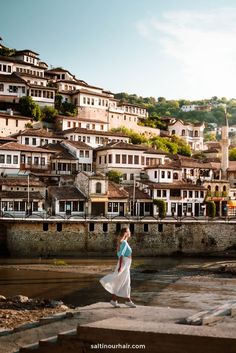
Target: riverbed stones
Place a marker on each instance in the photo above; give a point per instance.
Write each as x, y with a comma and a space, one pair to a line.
19, 299
2, 298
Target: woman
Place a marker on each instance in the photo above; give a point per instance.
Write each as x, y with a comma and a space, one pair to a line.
118, 282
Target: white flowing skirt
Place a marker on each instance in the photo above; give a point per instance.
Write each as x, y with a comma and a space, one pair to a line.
118, 283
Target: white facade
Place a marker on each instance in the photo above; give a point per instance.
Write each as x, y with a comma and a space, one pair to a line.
12, 124
192, 134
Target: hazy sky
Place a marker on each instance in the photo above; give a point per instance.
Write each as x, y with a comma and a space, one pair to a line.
172, 48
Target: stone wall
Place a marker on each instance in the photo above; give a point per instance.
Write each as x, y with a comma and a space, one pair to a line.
35, 238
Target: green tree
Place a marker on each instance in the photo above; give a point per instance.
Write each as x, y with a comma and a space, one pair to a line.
48, 114
161, 207
115, 175
232, 154
211, 208
28, 107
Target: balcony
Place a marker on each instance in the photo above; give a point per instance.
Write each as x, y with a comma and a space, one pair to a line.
35, 167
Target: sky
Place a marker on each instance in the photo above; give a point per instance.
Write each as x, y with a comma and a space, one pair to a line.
178, 49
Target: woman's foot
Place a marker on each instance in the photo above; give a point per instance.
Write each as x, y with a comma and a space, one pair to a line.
130, 304
114, 303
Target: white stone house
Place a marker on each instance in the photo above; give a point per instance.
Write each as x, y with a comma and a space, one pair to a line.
68, 122
15, 158
38, 137
21, 194
11, 124
191, 133
67, 200
82, 152
94, 138
126, 158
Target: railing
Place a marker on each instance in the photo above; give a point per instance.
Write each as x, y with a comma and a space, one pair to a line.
14, 215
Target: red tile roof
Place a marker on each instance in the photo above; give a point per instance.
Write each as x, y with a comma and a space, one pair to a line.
116, 191
14, 146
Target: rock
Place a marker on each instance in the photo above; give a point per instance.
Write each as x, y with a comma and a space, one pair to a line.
20, 299
2, 298
55, 303
64, 307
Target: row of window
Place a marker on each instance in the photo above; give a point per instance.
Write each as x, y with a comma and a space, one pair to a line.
40, 93
28, 71
42, 141
31, 60
125, 117
71, 206
6, 122
75, 124
135, 110
18, 206
91, 101
12, 89
185, 193
5, 68
8, 159
98, 140
127, 159
184, 133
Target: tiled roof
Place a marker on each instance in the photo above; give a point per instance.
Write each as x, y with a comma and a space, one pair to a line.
60, 151
78, 130
78, 144
66, 193
86, 91
115, 191
167, 165
121, 146
139, 194
177, 185
78, 118
13, 78
188, 162
40, 133
155, 151
14, 146
6, 115
33, 195
21, 181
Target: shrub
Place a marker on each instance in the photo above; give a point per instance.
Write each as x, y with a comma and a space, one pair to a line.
161, 206
211, 209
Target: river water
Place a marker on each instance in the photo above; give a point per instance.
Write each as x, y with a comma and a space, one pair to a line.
163, 281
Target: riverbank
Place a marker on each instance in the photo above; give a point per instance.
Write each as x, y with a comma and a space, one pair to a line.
19, 310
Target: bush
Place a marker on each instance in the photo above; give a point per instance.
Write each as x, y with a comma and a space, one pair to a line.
161, 206
28, 107
211, 209
114, 175
59, 262
48, 114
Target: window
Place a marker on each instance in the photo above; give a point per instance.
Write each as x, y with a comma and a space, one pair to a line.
185, 194
155, 174
131, 227
131, 176
124, 158
105, 227
2, 158
163, 193
15, 159
91, 227
175, 176
183, 133
33, 141
130, 159
110, 158
202, 194
109, 207
75, 206
117, 158
81, 153
1, 87
163, 174
81, 206
158, 193
145, 227
16, 123
29, 160
36, 160
26, 141
59, 227
196, 194
118, 227
190, 194
45, 227
115, 207
168, 174
100, 160
61, 206
8, 159
86, 154
98, 188
136, 159
142, 160
43, 161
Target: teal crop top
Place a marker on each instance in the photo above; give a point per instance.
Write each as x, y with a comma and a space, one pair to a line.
125, 249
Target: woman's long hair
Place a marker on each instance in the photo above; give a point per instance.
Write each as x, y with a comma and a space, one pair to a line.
121, 237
